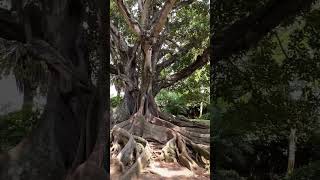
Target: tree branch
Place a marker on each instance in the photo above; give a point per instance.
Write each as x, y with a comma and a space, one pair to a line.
181, 4
248, 31
132, 23
140, 5
145, 13
162, 18
281, 46
174, 58
117, 37
41, 50
167, 63
184, 73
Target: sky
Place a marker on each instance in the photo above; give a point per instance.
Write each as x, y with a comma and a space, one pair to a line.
9, 94
11, 99
113, 91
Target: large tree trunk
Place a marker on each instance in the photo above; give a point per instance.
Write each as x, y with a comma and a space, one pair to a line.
96, 164
180, 140
67, 133
130, 101
28, 94
146, 101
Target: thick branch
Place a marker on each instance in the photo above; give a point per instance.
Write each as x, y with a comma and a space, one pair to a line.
182, 50
184, 73
249, 30
118, 39
184, 3
133, 24
166, 63
162, 18
140, 5
43, 51
145, 13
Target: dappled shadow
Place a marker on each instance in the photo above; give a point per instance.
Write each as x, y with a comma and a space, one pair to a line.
164, 170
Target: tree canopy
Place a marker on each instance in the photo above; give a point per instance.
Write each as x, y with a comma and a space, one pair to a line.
266, 89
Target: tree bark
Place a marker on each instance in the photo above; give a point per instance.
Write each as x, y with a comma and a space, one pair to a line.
247, 31
291, 150
147, 77
146, 122
28, 94
73, 116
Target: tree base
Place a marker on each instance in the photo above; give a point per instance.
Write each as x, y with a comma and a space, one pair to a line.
182, 141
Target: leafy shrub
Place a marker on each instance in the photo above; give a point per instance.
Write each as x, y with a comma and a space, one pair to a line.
172, 102
115, 101
206, 116
16, 125
228, 175
168, 102
175, 108
308, 172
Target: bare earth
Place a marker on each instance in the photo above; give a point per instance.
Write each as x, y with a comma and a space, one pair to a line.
160, 170
172, 171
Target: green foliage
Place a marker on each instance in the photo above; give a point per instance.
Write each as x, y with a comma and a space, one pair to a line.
115, 101
270, 96
228, 175
186, 34
16, 125
172, 102
233, 151
308, 172
27, 70
195, 89
188, 29
263, 93
187, 94
206, 116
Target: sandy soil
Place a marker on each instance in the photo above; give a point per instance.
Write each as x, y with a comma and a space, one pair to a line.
171, 171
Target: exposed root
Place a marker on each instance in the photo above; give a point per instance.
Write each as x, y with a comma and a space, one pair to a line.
134, 155
183, 141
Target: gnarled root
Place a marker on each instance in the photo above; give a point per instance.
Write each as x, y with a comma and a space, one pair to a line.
183, 141
130, 154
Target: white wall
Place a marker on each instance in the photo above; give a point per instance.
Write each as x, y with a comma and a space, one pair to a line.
9, 94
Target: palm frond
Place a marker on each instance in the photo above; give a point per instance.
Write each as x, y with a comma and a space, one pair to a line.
14, 59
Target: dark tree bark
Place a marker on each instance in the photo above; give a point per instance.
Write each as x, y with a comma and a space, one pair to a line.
28, 95
249, 30
70, 133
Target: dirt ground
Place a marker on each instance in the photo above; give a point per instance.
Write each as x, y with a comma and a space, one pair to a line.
171, 171
160, 170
